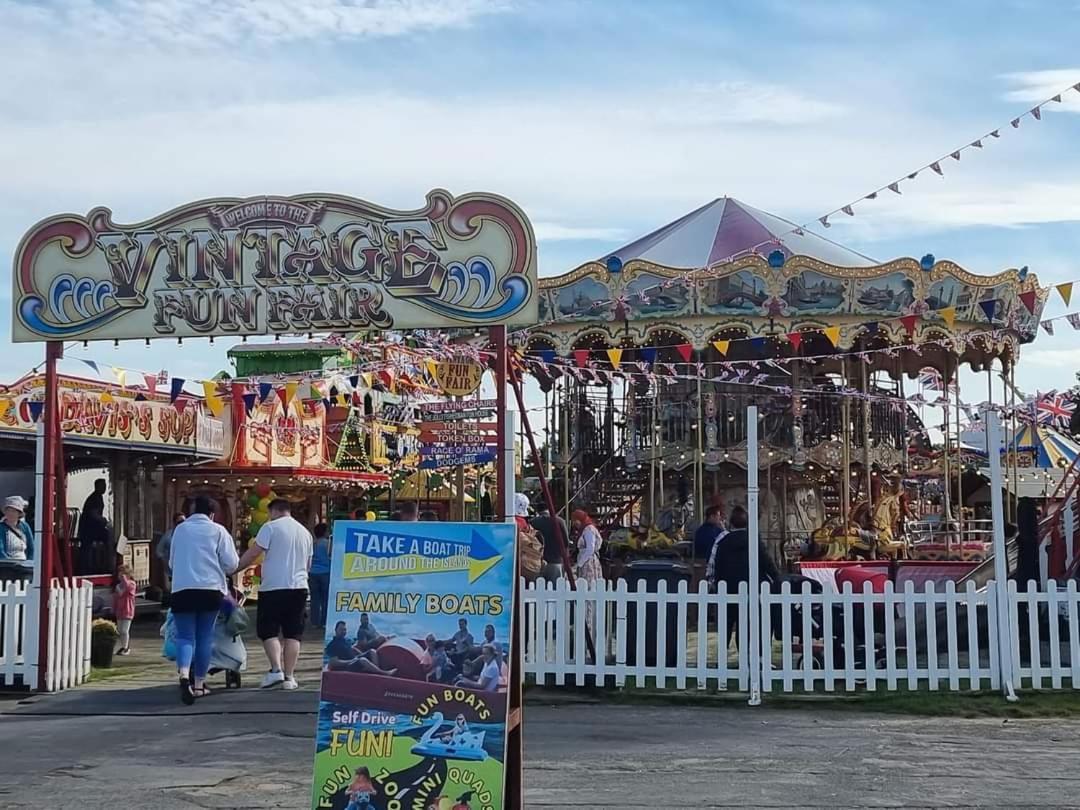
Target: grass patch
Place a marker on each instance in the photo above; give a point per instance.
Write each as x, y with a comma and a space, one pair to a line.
98, 674
914, 703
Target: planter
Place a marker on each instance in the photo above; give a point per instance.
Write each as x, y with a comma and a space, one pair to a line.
101, 653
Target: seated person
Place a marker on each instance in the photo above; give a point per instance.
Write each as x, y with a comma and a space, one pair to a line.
435, 661
489, 673
454, 734
361, 791
474, 661
342, 655
461, 644
367, 637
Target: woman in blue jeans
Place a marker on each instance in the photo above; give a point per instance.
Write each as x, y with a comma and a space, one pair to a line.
319, 575
202, 557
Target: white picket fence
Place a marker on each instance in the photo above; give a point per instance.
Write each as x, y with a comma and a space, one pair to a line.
17, 635
68, 637
825, 642
71, 603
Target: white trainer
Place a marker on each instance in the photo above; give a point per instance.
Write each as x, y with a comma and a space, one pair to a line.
289, 684
273, 679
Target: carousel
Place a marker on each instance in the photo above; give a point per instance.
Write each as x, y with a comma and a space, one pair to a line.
649, 357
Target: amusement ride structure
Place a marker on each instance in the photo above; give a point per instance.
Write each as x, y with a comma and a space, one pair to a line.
649, 357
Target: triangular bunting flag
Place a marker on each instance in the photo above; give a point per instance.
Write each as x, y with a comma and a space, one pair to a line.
833, 334
1074, 320
989, 308
1028, 299
151, 382
140, 397
615, 356
106, 398
93, 365
948, 314
909, 322
1037, 113
847, 209
264, 391
937, 168
871, 196
430, 365
280, 393
1015, 123
684, 350
648, 354
995, 134
213, 401
795, 338
175, 388
722, 346
36, 407
249, 403
955, 155
1056, 98
581, 357
290, 392
354, 380
977, 144
1048, 326
757, 344
367, 379
121, 376
548, 356
1065, 291
180, 404
824, 222
895, 188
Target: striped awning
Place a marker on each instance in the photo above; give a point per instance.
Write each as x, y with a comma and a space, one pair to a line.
1052, 449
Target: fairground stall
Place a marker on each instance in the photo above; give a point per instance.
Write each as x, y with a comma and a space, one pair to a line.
649, 357
128, 435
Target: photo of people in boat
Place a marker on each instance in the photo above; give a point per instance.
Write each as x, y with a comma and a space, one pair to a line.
468, 657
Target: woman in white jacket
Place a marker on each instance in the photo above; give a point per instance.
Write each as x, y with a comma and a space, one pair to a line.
201, 558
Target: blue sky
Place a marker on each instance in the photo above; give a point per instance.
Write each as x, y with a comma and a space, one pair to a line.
602, 119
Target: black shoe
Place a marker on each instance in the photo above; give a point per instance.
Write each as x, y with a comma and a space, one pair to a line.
186, 695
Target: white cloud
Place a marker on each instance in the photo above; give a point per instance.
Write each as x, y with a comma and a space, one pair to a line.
197, 23
1035, 86
556, 232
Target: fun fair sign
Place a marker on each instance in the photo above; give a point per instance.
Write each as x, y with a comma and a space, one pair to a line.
270, 265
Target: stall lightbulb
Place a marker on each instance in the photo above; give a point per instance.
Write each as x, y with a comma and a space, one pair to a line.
179, 341
148, 343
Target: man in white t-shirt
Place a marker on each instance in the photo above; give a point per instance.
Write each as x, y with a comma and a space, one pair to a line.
283, 590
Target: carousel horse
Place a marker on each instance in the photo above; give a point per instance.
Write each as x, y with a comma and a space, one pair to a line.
866, 534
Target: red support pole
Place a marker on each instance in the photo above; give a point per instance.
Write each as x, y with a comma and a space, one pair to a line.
497, 336
515, 380
46, 511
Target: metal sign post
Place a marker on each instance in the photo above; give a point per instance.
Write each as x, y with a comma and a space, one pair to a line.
1001, 590
755, 644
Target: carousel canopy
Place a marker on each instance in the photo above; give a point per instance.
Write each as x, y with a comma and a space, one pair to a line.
727, 227
1051, 447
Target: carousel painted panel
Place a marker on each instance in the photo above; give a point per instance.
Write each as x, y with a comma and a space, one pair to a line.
809, 292
585, 299
545, 305
652, 296
950, 292
743, 292
893, 294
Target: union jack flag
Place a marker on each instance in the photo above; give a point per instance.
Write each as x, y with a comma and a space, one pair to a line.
1054, 409
930, 379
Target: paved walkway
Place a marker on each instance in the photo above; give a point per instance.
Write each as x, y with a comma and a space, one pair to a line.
127, 741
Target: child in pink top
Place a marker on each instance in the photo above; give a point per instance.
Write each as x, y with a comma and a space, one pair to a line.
124, 606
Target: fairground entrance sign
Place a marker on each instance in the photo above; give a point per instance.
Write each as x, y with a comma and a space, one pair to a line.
269, 265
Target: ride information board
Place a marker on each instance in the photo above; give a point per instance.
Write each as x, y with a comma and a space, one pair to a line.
413, 708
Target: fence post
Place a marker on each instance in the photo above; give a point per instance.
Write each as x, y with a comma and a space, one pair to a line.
755, 641
1001, 591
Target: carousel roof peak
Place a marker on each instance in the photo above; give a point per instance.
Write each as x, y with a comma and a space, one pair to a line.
727, 227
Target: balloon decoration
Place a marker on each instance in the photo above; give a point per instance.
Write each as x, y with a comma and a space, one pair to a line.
259, 502
369, 515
